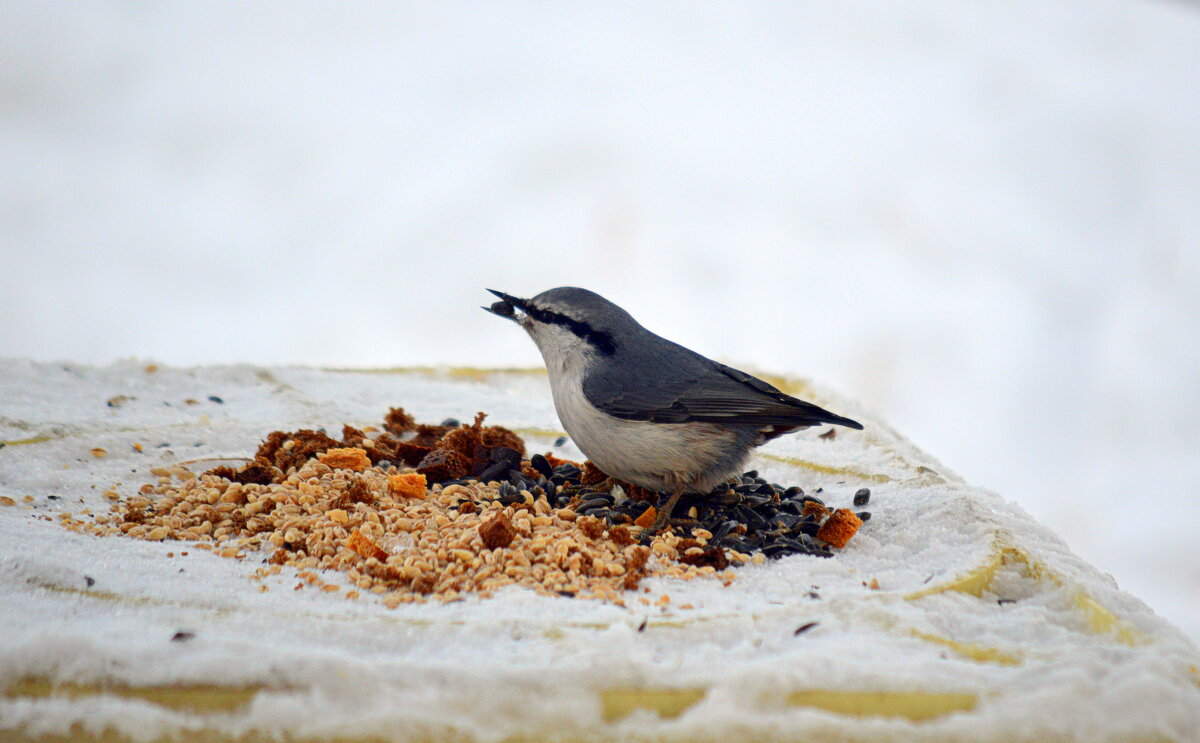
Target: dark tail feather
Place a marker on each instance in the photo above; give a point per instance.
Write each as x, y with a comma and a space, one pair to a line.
816, 415
840, 421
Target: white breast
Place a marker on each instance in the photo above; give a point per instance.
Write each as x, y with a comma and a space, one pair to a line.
659, 456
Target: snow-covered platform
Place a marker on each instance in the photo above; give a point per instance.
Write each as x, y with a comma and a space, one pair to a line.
951, 616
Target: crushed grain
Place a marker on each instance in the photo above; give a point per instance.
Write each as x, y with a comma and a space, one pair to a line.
373, 508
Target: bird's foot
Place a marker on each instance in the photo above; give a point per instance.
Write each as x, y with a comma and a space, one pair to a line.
659, 522
664, 513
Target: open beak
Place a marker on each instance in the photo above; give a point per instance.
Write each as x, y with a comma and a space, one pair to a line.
507, 306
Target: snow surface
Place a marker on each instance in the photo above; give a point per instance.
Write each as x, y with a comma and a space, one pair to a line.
520, 663
979, 218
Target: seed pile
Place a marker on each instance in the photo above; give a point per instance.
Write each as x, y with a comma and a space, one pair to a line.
749, 516
418, 511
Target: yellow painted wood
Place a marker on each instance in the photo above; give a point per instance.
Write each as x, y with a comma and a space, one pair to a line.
974, 582
617, 704
825, 469
912, 705
980, 653
183, 697
22, 442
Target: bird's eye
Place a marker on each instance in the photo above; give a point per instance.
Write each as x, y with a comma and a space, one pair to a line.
502, 308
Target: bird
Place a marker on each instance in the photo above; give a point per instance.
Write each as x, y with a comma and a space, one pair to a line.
644, 409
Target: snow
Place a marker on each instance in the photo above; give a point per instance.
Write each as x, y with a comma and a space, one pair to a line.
1067, 658
978, 218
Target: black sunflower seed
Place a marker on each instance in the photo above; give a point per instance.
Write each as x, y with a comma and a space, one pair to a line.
493, 471
604, 502
520, 481
792, 507
809, 527
505, 454
862, 497
542, 465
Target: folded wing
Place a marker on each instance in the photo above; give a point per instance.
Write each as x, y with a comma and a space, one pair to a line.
708, 392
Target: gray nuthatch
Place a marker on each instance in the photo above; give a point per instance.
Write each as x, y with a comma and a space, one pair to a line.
644, 409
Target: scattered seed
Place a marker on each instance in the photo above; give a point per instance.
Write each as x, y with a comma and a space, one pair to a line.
862, 497
436, 534
805, 628
182, 636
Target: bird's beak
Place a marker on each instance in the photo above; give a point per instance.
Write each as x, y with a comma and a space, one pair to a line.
507, 307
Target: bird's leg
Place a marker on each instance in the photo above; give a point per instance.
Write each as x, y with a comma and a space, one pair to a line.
664, 513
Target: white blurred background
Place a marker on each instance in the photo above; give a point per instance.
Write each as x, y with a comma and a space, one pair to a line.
980, 218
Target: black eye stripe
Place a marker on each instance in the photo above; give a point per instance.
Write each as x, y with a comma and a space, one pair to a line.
598, 338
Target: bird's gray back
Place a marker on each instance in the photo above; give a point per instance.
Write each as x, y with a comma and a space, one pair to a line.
653, 379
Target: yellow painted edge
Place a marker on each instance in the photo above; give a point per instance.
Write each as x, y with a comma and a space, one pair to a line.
617, 704
973, 582
22, 442
184, 697
1100, 620
916, 706
544, 432
980, 653
826, 469
620, 703
1103, 621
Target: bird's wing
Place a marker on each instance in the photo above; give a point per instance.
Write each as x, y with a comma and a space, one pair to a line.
708, 392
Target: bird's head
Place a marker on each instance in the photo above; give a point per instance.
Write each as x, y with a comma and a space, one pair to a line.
568, 323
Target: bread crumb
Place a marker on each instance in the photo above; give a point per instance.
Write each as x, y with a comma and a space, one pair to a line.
839, 527
497, 531
647, 517
408, 485
364, 546
351, 458
814, 509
